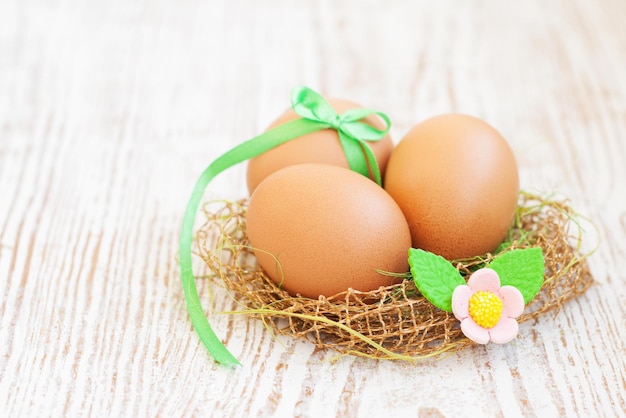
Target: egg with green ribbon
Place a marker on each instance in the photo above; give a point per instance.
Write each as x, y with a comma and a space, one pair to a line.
351, 129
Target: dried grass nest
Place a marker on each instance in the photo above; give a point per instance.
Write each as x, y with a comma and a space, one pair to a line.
400, 323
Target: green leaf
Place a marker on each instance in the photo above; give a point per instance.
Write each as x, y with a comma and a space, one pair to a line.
521, 268
435, 277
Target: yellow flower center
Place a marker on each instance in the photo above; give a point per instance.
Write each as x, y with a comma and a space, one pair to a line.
485, 308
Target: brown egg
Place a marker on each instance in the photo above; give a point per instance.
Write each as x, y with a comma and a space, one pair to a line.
317, 147
456, 180
319, 229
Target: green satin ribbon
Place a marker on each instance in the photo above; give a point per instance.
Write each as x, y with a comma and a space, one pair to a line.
316, 114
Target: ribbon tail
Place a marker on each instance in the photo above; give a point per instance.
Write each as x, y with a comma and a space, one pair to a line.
360, 157
196, 313
354, 154
371, 161
242, 152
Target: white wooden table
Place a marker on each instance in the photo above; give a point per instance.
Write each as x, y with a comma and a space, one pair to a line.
109, 110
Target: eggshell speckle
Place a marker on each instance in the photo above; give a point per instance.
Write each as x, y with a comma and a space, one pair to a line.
456, 180
320, 229
317, 147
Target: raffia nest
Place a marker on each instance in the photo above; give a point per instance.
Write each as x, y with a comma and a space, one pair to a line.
395, 322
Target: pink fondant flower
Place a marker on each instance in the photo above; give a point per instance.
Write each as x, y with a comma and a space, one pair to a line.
487, 311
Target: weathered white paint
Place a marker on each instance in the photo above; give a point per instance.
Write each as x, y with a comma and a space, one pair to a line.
110, 110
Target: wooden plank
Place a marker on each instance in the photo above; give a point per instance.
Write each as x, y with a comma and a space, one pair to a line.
109, 111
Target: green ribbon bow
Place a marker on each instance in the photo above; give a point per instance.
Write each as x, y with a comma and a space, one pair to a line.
352, 133
316, 114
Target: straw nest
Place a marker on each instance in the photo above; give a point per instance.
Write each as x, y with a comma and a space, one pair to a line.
396, 322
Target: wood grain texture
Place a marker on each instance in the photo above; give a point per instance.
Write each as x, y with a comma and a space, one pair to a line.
110, 110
